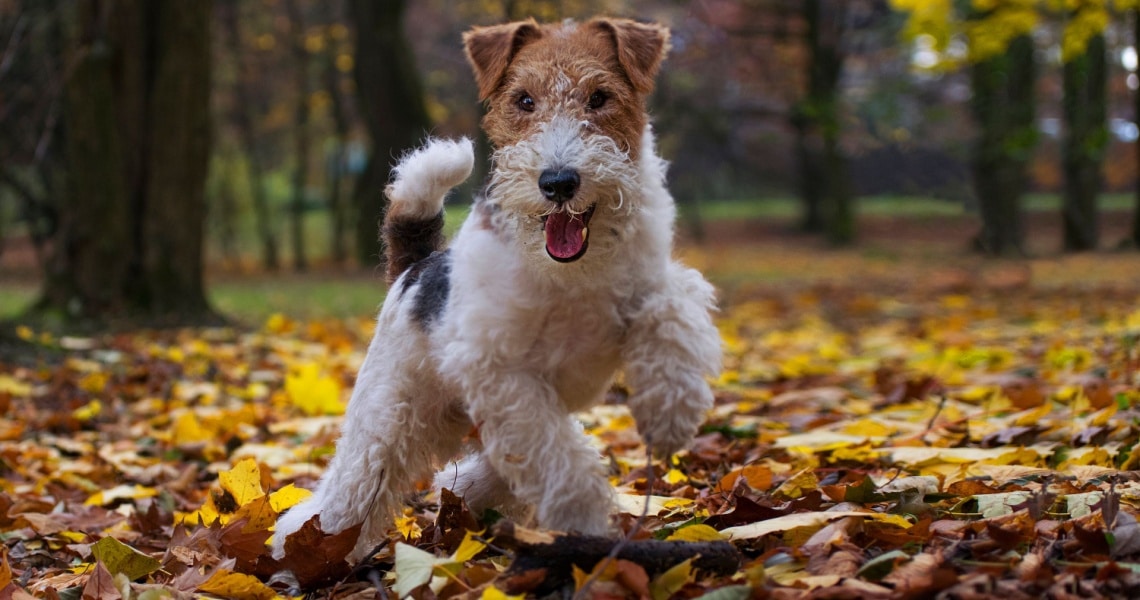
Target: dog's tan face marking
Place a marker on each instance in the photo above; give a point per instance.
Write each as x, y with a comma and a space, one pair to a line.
566, 114
599, 72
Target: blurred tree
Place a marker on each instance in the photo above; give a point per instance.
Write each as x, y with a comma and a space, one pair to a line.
823, 176
31, 95
392, 104
1002, 73
1004, 106
301, 137
244, 118
1085, 101
137, 116
337, 161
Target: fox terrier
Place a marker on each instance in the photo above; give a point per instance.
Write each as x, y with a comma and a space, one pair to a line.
561, 274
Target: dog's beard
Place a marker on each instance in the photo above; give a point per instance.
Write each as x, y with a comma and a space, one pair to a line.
608, 180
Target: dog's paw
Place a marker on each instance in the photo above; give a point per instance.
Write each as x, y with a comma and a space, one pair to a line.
669, 426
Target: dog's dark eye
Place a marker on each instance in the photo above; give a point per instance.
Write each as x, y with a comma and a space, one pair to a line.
526, 103
597, 99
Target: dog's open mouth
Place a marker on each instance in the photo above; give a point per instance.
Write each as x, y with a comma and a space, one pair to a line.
567, 235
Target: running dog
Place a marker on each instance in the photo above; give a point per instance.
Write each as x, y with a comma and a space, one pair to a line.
561, 275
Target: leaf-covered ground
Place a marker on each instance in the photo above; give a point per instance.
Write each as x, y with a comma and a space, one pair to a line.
876, 437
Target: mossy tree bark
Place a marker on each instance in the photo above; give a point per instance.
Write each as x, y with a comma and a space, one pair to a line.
1003, 104
391, 101
1086, 138
138, 138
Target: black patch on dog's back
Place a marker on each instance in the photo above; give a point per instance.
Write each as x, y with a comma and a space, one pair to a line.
433, 274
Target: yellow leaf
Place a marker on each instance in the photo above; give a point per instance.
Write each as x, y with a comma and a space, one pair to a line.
187, 429
258, 512
668, 583
312, 392
695, 533
674, 476
237, 586
88, 411
5, 568
408, 527
11, 385
798, 485
121, 558
243, 481
74, 537
279, 323
493, 593
206, 515
94, 383
869, 428
469, 547
122, 492
287, 497
580, 577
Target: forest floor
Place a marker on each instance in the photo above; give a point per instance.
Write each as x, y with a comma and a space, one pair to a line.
899, 420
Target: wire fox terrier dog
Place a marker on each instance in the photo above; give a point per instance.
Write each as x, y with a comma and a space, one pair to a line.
561, 275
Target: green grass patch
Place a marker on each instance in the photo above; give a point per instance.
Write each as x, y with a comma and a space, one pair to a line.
252, 301
17, 297
784, 207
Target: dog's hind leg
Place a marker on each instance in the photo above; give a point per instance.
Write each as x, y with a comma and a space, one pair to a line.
400, 423
481, 487
413, 225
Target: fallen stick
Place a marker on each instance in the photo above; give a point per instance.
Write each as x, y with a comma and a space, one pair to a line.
555, 554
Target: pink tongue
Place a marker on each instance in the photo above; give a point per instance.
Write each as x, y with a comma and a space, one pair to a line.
564, 235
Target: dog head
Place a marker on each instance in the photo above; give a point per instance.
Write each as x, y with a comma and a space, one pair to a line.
566, 114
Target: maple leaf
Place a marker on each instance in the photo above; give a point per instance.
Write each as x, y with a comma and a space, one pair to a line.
313, 556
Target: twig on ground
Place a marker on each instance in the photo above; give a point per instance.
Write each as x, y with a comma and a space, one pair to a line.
612, 556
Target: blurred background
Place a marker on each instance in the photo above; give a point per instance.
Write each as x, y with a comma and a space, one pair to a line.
179, 159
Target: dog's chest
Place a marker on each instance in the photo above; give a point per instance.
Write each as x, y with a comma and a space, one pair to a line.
578, 344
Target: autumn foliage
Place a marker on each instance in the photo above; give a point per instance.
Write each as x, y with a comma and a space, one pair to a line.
869, 440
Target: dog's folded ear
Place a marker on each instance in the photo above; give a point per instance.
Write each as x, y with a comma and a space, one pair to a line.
640, 48
491, 50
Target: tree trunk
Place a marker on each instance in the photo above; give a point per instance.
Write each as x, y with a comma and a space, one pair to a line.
824, 185
301, 143
178, 131
809, 175
392, 104
337, 167
244, 121
88, 270
137, 117
1003, 104
1086, 137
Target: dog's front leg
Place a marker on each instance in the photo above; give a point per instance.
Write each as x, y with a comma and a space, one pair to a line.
671, 347
541, 451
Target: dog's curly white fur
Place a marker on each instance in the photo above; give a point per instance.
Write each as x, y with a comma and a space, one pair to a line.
496, 333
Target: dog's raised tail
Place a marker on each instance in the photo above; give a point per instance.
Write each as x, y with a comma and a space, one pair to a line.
413, 224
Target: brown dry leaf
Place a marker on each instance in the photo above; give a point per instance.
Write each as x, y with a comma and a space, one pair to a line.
100, 586
312, 555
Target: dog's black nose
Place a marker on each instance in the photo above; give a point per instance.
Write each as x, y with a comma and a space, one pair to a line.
560, 185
